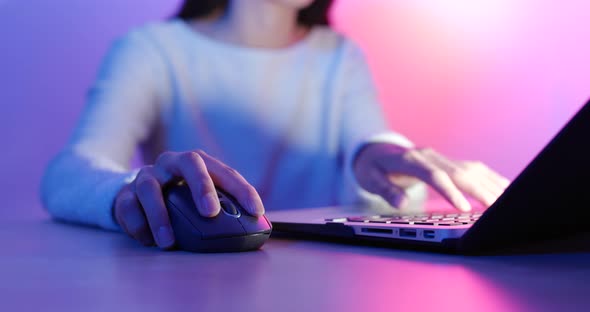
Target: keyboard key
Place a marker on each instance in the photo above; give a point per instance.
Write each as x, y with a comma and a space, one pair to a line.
370, 219
398, 222
424, 223
339, 220
379, 220
452, 223
356, 219
396, 218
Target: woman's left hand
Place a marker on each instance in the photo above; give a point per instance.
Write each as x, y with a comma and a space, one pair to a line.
388, 170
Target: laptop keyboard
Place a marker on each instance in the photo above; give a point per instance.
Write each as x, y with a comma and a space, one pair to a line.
437, 219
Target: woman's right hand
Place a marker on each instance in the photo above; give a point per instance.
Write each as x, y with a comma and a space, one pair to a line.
139, 206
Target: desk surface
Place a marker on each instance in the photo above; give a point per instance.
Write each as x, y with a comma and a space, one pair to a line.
46, 266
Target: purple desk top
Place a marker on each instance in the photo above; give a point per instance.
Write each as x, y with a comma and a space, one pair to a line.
46, 266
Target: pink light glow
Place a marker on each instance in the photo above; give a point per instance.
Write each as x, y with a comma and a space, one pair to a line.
490, 79
421, 286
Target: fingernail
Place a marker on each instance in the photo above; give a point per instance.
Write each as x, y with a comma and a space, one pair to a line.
466, 206
210, 204
165, 237
254, 208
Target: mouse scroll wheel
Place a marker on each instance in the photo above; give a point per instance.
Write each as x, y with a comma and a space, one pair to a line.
229, 208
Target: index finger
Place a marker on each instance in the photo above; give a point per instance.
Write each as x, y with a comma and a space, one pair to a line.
234, 183
443, 184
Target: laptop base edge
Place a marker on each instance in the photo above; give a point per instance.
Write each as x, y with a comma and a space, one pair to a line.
342, 234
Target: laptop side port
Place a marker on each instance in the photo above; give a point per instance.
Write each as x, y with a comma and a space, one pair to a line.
407, 233
428, 234
377, 230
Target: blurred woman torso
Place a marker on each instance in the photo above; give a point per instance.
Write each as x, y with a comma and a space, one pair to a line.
276, 116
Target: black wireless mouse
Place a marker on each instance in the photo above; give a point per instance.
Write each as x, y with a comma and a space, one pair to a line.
232, 230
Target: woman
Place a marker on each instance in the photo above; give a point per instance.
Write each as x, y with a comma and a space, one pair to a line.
263, 86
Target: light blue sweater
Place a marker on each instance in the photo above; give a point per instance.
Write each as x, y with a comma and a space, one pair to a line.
289, 120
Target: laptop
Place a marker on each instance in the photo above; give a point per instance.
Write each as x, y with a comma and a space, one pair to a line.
550, 199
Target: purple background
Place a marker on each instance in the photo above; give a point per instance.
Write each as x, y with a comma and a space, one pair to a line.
489, 79
49, 54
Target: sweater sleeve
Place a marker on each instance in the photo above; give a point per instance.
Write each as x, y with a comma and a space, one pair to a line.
81, 182
363, 122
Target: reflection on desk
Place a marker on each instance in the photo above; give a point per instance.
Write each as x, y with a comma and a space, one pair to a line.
49, 266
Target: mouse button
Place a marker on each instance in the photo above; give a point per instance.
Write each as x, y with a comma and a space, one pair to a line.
184, 204
220, 226
179, 196
182, 227
254, 224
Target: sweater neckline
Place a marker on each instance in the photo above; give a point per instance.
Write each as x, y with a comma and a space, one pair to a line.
293, 48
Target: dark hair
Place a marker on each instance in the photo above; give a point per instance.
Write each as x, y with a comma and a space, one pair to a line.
315, 14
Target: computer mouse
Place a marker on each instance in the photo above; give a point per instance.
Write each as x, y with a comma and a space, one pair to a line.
232, 230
